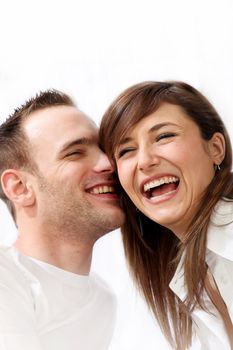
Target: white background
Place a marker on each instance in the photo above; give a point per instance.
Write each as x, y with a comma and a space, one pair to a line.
95, 49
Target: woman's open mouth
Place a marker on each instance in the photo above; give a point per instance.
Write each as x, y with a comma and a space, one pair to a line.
160, 187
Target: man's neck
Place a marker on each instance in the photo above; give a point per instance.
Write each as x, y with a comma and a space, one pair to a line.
70, 256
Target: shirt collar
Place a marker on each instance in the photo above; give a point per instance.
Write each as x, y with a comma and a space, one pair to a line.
219, 241
220, 230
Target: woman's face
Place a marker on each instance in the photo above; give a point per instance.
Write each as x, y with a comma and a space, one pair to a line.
165, 166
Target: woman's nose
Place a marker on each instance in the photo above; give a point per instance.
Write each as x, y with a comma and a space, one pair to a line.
103, 164
147, 158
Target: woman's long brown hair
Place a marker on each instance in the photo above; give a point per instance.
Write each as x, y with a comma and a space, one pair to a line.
153, 256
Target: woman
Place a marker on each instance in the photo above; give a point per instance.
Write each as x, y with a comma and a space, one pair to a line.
173, 159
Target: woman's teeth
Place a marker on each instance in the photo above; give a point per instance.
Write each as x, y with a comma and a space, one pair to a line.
158, 182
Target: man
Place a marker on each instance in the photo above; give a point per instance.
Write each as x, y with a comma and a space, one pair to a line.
59, 188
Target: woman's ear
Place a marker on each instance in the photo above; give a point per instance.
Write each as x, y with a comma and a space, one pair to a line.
16, 188
217, 146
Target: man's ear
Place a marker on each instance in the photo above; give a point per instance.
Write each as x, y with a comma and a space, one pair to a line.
217, 146
16, 188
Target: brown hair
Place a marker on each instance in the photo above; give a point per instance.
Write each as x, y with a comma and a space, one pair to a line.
153, 257
14, 145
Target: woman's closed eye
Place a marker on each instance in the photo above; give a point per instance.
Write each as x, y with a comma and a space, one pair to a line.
164, 135
123, 151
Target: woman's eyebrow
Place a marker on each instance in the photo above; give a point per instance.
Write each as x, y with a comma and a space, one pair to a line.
125, 140
161, 125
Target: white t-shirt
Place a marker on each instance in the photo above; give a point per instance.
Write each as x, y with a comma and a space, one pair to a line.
43, 307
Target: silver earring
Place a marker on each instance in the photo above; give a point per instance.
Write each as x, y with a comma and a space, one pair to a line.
217, 167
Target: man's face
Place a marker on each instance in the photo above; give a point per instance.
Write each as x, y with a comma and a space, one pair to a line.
74, 186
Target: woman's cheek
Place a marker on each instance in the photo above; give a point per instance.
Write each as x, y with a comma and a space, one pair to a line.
124, 175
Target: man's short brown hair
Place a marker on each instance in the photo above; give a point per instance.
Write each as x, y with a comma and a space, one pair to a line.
14, 146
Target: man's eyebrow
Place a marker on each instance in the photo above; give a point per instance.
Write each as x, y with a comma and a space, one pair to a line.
152, 129
78, 142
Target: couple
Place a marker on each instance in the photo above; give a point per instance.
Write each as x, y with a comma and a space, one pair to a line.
172, 156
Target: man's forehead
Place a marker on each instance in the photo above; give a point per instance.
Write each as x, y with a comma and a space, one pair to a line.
57, 118
58, 125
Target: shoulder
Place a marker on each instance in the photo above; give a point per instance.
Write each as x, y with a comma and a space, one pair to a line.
223, 212
101, 287
220, 230
9, 268
100, 284
17, 312
14, 277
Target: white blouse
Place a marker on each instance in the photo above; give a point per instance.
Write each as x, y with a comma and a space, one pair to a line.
209, 327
